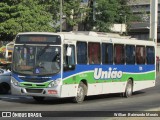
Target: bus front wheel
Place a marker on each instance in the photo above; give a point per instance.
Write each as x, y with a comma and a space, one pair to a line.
38, 98
81, 92
129, 89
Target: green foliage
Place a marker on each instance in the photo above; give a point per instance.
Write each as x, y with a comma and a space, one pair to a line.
107, 13
23, 16
52, 7
74, 12
43, 15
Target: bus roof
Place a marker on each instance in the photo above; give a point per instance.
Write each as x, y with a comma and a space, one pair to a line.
46, 33
91, 36
105, 37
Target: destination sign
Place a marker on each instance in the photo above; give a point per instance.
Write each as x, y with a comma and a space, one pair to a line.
38, 39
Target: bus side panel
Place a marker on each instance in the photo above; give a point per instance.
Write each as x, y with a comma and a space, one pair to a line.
114, 87
105, 88
69, 90
102, 79
139, 85
95, 89
144, 79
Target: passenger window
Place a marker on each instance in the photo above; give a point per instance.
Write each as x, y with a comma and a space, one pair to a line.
119, 54
94, 53
107, 53
140, 55
150, 57
81, 53
130, 54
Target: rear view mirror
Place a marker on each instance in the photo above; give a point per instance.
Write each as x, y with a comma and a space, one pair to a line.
69, 51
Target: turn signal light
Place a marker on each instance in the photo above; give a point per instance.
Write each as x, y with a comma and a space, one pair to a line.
52, 91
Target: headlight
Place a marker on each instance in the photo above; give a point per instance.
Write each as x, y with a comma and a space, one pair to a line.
14, 81
54, 83
51, 84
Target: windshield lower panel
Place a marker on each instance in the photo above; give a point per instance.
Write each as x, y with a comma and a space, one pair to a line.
36, 60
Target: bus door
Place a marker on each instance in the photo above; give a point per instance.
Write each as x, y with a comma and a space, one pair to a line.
69, 69
69, 57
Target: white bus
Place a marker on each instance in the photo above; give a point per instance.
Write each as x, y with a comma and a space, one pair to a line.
80, 64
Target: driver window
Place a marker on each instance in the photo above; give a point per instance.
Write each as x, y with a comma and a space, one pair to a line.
24, 60
69, 61
22, 56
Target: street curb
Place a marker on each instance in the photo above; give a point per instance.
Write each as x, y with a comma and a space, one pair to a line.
154, 109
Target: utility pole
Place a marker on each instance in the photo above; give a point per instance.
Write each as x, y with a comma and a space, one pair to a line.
94, 10
153, 20
61, 15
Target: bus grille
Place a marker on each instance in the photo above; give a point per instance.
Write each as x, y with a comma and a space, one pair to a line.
37, 80
34, 90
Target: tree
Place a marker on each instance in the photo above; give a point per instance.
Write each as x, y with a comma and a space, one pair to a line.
106, 13
74, 11
52, 7
23, 16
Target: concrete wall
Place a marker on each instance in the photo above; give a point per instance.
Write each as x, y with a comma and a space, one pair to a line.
118, 28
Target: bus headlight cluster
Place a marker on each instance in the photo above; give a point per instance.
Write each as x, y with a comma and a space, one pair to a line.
14, 81
51, 84
54, 83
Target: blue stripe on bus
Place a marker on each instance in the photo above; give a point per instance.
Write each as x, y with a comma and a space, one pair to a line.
18, 77
123, 68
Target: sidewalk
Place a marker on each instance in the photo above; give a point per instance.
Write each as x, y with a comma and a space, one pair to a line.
158, 75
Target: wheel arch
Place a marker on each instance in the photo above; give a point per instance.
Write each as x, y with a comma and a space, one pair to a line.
86, 84
5, 84
132, 80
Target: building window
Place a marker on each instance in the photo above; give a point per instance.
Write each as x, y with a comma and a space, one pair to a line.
107, 53
94, 54
140, 55
130, 54
119, 54
81, 53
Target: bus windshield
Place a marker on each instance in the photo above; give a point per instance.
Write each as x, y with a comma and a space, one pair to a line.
36, 60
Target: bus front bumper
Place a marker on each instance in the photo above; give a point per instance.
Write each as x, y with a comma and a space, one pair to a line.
45, 92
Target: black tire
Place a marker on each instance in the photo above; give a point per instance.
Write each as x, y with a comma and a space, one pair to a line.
38, 98
129, 89
4, 88
81, 92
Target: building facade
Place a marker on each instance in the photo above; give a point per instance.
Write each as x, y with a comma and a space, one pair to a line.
141, 29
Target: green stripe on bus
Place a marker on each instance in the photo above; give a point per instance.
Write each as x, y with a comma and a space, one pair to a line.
89, 77
34, 85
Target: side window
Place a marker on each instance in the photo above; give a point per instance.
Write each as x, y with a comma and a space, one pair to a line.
81, 53
94, 54
140, 55
69, 61
107, 53
150, 55
119, 54
130, 54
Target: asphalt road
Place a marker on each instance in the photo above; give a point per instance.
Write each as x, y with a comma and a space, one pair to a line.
144, 100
